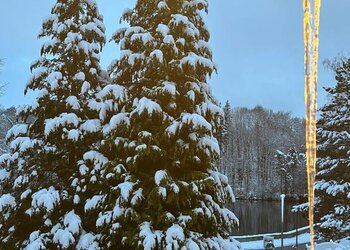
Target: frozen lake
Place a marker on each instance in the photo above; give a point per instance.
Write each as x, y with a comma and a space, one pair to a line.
258, 217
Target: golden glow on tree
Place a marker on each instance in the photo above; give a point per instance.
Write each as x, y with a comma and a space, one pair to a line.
311, 43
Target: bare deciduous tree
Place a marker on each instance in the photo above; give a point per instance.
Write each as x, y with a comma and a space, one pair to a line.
2, 85
251, 138
7, 120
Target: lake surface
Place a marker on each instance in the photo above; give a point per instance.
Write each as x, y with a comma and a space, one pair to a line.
258, 217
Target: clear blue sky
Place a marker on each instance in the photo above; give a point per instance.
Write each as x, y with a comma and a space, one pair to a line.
258, 45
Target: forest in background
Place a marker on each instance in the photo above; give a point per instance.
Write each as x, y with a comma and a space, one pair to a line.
262, 153
250, 141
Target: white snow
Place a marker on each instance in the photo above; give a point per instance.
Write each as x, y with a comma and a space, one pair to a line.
80, 76
63, 237
116, 120
37, 73
91, 126
175, 188
197, 121
209, 143
91, 26
174, 237
46, 198
178, 19
192, 245
73, 102
159, 176
3, 175
125, 53
345, 242
85, 87
23, 143
134, 57
93, 202
163, 29
71, 38
87, 242
144, 37
147, 105
133, 29
137, 196
16, 130
76, 199
162, 192
331, 187
3, 159
149, 238
95, 156
169, 39
203, 44
125, 189
7, 200
208, 106
181, 41
36, 242
63, 120
72, 222
162, 5
173, 128
141, 147
191, 95
88, 48
83, 169
304, 238
158, 54
117, 91
25, 194
195, 60
106, 218
19, 181
53, 79
73, 134
168, 87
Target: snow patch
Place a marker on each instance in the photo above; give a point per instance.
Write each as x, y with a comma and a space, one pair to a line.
159, 176
7, 200
46, 198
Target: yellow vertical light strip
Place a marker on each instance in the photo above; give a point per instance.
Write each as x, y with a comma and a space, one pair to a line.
311, 43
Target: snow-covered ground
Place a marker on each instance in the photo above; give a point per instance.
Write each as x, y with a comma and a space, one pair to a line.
345, 243
302, 239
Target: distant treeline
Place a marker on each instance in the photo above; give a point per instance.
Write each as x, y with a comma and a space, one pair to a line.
250, 141
262, 153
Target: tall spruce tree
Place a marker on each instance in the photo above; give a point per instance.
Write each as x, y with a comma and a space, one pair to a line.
39, 205
333, 152
165, 190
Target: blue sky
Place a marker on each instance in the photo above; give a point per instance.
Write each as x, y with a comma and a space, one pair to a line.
257, 44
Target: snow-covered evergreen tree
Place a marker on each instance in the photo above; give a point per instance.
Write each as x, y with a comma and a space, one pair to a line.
39, 207
333, 152
289, 167
165, 191
226, 124
224, 139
